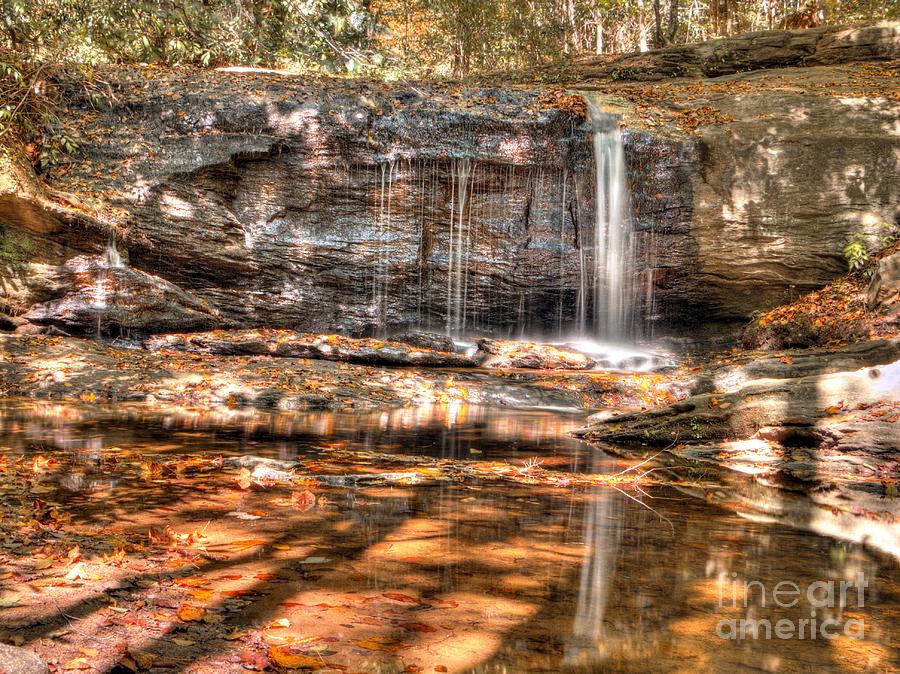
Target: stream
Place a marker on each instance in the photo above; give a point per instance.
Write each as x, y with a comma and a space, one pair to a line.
460, 576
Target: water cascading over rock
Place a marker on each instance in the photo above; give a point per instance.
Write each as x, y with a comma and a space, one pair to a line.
111, 260
609, 285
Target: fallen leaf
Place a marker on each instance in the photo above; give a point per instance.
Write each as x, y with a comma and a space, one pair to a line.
190, 613
239, 546
385, 644
245, 479
9, 602
77, 573
303, 500
290, 658
77, 663
254, 660
418, 627
404, 598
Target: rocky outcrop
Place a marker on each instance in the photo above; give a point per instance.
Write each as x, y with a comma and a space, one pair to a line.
884, 284
289, 344
118, 300
85, 369
501, 353
321, 206
794, 411
743, 368
14, 660
851, 308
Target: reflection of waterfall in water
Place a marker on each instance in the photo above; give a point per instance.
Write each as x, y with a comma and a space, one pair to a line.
611, 281
111, 260
602, 534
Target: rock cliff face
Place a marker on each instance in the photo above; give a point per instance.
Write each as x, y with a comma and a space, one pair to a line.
259, 199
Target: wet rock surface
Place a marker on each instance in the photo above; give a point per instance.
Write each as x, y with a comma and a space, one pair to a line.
118, 300
328, 206
823, 420
209, 374
738, 369
289, 344
800, 403
500, 353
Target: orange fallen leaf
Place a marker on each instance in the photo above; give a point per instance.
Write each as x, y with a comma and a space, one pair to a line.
190, 613
384, 644
303, 500
200, 594
404, 598
77, 663
289, 658
418, 627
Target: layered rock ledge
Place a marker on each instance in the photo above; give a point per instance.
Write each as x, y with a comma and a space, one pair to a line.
61, 368
270, 200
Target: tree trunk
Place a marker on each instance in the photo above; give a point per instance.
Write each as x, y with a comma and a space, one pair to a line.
658, 39
673, 20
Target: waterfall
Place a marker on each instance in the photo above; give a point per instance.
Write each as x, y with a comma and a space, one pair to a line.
611, 280
111, 260
458, 252
381, 271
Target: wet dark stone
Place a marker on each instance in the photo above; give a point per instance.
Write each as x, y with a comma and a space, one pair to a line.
427, 340
274, 202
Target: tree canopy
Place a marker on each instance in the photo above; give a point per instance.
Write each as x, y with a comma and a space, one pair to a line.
417, 37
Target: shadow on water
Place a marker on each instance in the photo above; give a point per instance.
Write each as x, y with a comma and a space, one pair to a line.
475, 577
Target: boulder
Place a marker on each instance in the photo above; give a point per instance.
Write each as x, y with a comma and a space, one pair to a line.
884, 286
805, 406
496, 353
427, 340
14, 660
116, 300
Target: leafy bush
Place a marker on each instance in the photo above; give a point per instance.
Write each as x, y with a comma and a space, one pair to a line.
856, 253
28, 109
860, 249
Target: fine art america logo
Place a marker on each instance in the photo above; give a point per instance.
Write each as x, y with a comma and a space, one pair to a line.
823, 601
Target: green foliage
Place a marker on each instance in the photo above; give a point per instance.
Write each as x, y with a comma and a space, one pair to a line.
325, 33
28, 109
15, 249
696, 429
856, 253
861, 248
440, 37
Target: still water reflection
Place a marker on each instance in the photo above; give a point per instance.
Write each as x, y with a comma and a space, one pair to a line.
473, 577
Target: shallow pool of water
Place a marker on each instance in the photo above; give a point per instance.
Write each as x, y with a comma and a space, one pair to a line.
462, 576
